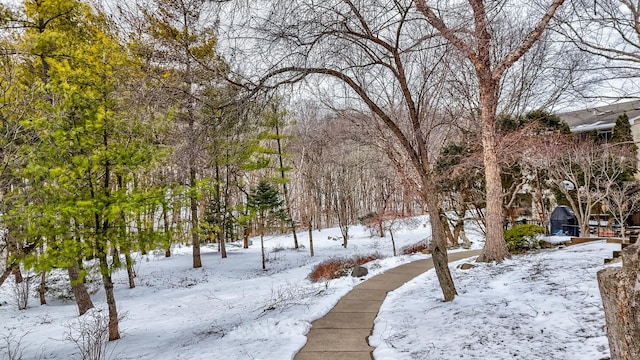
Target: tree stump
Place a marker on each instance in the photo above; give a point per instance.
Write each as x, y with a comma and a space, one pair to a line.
620, 291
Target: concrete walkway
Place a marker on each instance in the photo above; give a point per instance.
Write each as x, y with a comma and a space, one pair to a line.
342, 333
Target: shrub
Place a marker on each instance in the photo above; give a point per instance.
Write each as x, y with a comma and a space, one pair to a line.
521, 238
13, 346
21, 292
417, 247
90, 334
338, 267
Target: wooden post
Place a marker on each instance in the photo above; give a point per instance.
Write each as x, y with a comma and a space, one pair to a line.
620, 291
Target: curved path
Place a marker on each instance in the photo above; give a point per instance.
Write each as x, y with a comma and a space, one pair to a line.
342, 333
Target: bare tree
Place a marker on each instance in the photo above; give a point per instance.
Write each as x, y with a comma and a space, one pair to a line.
369, 58
586, 173
472, 31
610, 31
623, 200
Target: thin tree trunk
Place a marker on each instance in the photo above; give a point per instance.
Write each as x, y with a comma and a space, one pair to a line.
264, 265
223, 246
393, 243
130, 271
176, 221
83, 300
43, 288
195, 236
284, 188
107, 283
167, 234
311, 237
220, 218
114, 333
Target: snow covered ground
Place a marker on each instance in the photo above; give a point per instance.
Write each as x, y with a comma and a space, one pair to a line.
544, 305
538, 306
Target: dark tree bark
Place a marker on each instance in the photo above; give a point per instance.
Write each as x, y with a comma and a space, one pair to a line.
114, 332
245, 237
311, 238
83, 299
167, 232
131, 274
42, 289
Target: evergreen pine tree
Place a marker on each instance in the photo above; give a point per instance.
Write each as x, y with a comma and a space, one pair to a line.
621, 134
265, 204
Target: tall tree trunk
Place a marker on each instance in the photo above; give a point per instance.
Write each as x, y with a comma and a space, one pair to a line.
176, 221
284, 187
495, 248
167, 229
478, 48
131, 274
102, 226
114, 333
438, 242
223, 245
83, 300
221, 212
43, 288
311, 236
107, 282
264, 265
195, 231
393, 243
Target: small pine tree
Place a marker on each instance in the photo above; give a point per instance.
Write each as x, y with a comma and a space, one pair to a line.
621, 134
622, 130
265, 204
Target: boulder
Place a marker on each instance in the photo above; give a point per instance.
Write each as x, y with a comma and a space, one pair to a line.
466, 266
359, 271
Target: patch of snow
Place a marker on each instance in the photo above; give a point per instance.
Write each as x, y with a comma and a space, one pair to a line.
543, 305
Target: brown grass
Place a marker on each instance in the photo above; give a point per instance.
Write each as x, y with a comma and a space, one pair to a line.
338, 267
417, 247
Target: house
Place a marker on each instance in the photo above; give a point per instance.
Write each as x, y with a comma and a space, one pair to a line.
602, 119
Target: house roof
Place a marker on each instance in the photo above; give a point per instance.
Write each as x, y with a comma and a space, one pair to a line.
600, 117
